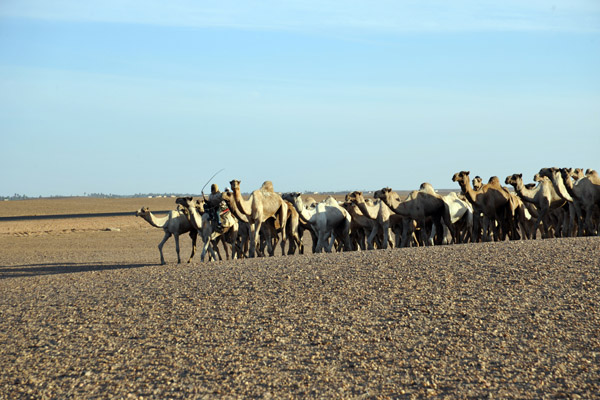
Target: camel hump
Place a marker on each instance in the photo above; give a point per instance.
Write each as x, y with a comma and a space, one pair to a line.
267, 186
427, 188
494, 181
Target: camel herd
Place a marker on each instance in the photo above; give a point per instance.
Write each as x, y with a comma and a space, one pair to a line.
562, 202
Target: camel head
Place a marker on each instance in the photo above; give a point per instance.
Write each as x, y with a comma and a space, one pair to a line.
142, 212
514, 179
184, 201
235, 184
354, 196
566, 173
387, 194
291, 196
462, 176
548, 172
591, 172
383, 193
227, 195
477, 183
577, 173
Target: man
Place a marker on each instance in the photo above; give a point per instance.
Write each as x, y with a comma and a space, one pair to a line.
214, 202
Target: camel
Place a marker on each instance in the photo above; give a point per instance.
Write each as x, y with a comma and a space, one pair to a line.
262, 204
271, 229
417, 206
492, 200
202, 223
378, 211
295, 230
328, 220
174, 224
543, 196
461, 213
361, 227
584, 195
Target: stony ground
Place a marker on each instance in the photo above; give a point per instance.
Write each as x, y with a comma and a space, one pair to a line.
85, 312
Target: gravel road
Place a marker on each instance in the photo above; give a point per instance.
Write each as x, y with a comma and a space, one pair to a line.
88, 315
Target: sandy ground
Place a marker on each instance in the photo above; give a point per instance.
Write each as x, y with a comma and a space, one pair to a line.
87, 312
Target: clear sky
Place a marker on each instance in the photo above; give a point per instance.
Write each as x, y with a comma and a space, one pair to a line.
137, 96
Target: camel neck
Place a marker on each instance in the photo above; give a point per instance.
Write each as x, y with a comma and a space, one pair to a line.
158, 222
241, 204
365, 209
524, 193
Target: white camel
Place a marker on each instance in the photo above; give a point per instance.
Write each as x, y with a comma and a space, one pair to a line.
328, 220
461, 216
174, 224
543, 196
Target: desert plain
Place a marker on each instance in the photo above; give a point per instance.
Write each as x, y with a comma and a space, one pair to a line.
86, 311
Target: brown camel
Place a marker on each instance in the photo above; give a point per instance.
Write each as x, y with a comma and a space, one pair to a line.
417, 206
378, 211
361, 227
262, 204
492, 200
294, 231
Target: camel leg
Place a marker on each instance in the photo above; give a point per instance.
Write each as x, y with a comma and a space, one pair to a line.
330, 242
439, 227
254, 236
160, 247
478, 227
407, 231
211, 248
321, 242
371, 237
216, 246
205, 248
386, 235
590, 229
176, 237
536, 226
194, 237
359, 237
233, 241
431, 240
318, 246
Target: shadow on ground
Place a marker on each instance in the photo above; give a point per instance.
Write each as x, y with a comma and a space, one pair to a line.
16, 271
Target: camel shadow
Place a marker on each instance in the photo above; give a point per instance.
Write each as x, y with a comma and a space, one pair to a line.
18, 271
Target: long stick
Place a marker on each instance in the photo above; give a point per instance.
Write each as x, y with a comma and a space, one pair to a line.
209, 179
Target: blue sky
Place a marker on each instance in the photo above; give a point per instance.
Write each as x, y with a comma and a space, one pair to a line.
135, 96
